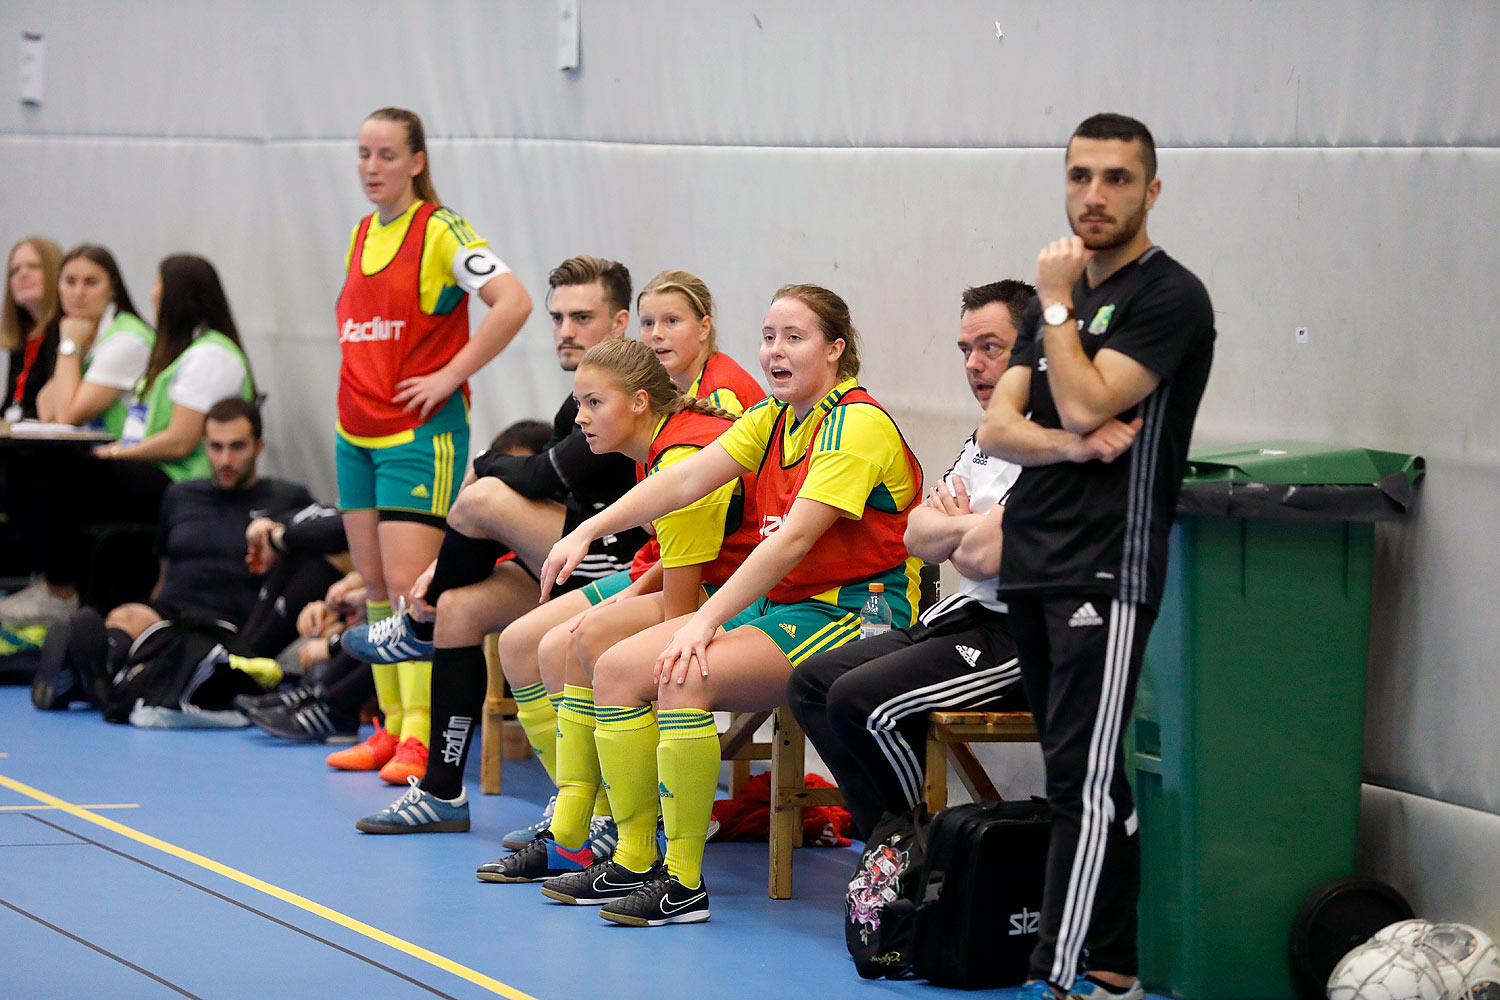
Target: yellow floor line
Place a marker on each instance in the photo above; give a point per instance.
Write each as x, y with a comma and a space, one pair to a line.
317, 909
104, 805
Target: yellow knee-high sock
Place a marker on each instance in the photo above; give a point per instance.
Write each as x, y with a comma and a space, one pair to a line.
577, 767
415, 680
687, 760
538, 716
387, 685
626, 738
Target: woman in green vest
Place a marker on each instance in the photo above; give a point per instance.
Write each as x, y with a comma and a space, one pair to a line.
103, 345
195, 362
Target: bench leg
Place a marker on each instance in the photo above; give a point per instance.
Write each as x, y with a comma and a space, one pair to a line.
492, 741
788, 753
935, 784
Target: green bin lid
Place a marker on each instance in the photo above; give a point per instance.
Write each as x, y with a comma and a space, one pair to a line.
1299, 463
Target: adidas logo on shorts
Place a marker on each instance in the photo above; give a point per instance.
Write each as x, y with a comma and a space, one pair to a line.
791, 630
663, 791
420, 492
969, 653
1085, 616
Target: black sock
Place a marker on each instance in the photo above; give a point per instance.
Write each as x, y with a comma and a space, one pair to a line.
461, 561
351, 690
459, 679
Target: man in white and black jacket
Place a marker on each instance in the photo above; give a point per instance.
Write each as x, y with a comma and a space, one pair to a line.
865, 704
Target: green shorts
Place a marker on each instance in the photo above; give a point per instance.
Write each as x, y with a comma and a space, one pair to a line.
412, 476
807, 627
601, 590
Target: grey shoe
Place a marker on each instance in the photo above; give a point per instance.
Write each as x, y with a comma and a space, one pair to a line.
37, 605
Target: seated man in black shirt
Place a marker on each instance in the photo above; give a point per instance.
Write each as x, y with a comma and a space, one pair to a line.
200, 538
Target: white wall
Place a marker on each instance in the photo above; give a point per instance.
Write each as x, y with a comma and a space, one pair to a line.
1333, 166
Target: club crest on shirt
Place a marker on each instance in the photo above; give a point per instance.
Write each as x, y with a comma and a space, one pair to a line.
1100, 322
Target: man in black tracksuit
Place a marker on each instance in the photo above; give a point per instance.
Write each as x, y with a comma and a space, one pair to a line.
1098, 406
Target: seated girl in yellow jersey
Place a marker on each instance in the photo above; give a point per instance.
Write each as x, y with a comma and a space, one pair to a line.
834, 484
406, 356
628, 403
676, 312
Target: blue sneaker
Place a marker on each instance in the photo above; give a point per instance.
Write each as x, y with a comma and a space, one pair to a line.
419, 812
1086, 989
603, 837
1036, 989
538, 861
517, 839
387, 641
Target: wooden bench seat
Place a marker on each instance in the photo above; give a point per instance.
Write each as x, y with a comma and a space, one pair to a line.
948, 737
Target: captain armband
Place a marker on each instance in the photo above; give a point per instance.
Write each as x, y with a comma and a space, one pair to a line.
474, 266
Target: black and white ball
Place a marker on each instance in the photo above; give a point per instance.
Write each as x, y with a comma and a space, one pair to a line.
1386, 970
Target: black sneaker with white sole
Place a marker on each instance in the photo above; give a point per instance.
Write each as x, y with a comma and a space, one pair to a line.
313, 721
663, 900
599, 883
288, 698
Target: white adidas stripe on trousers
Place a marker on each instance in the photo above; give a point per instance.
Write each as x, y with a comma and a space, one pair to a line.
1098, 810
966, 691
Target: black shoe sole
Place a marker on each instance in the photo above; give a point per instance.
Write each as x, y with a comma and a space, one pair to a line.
442, 826
629, 920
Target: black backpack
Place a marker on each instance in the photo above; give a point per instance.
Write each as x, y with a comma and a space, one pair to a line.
880, 907
980, 901
173, 664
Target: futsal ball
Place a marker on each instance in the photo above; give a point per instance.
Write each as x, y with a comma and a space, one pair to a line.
1459, 953
1404, 932
1385, 970
1483, 988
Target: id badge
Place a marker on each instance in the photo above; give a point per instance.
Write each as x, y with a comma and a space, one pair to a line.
135, 424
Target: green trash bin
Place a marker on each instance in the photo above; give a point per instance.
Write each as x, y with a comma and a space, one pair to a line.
1248, 725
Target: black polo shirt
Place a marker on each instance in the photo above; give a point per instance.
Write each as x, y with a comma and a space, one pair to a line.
1101, 527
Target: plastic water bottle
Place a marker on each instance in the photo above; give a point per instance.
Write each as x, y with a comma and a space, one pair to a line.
875, 616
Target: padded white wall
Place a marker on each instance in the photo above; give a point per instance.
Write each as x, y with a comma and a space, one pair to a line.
1332, 166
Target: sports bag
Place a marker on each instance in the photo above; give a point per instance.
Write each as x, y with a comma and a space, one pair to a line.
174, 664
981, 896
881, 904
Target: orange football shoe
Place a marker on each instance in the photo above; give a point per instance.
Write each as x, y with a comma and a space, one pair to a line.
371, 755
410, 762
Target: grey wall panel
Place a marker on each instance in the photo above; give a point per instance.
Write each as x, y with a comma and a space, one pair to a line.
1429, 726
1441, 857
775, 72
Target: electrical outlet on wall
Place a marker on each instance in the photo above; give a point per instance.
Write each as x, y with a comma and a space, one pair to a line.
32, 51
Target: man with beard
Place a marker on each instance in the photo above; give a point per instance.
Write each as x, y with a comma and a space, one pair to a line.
1097, 406
200, 538
865, 704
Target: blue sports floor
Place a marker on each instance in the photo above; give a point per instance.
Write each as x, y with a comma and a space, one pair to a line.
139, 863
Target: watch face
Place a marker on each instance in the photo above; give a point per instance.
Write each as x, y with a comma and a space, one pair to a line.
67, 348
1056, 314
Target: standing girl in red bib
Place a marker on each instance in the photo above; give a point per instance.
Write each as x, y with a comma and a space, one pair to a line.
403, 420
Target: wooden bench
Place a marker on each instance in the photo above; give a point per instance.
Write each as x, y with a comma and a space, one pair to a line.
787, 753
497, 705
948, 737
